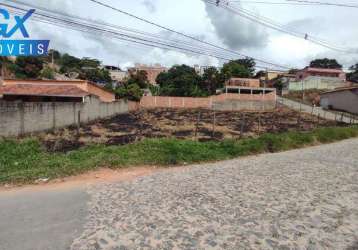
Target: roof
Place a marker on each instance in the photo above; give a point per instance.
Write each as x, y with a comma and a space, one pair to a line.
340, 89
310, 69
244, 79
47, 82
43, 90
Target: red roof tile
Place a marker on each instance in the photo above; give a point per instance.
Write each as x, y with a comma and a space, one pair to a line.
43, 90
340, 89
309, 69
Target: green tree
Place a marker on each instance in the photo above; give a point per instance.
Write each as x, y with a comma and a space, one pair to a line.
181, 80
243, 68
353, 76
5, 64
140, 78
155, 90
326, 64
278, 84
69, 64
293, 71
48, 73
130, 92
96, 75
87, 62
212, 80
27, 67
52, 54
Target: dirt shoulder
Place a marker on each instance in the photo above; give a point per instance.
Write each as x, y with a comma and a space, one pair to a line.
103, 175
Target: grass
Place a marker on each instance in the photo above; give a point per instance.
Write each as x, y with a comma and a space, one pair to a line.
26, 161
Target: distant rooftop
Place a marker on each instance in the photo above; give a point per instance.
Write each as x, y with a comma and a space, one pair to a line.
311, 69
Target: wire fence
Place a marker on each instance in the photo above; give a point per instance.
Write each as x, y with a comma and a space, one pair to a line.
206, 124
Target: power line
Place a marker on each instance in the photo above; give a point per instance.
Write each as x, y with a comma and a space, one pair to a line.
274, 25
272, 3
75, 25
122, 29
182, 34
298, 3
325, 3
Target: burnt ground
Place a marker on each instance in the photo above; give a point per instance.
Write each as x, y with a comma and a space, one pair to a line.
196, 124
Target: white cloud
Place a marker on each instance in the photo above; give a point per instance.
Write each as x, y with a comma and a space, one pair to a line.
216, 25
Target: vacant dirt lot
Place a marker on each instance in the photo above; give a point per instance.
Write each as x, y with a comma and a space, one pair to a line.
182, 124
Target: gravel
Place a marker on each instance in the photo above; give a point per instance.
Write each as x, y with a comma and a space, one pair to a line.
301, 199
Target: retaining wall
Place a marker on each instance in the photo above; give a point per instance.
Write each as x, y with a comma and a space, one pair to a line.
17, 118
314, 82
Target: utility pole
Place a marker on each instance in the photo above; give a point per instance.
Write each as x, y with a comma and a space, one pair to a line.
266, 79
52, 59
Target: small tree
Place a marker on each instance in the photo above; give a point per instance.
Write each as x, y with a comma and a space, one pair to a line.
27, 67
353, 76
181, 80
140, 78
48, 73
243, 68
212, 80
326, 63
130, 92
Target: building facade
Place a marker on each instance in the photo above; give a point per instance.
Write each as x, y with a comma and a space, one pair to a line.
318, 82
309, 71
152, 71
344, 99
243, 82
116, 73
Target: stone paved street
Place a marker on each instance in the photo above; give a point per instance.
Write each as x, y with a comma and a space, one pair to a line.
302, 199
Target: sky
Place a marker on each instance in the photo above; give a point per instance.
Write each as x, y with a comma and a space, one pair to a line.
207, 22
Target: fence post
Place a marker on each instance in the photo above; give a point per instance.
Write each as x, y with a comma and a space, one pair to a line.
214, 120
22, 117
197, 125
259, 123
242, 125
79, 119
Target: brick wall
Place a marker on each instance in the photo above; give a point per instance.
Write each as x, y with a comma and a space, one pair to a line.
223, 101
22, 118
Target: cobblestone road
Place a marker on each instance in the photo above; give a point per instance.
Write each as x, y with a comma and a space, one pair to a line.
302, 199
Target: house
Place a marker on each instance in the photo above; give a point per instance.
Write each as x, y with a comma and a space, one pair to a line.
42, 93
343, 99
270, 75
246, 86
152, 71
116, 73
309, 71
51, 90
318, 78
318, 82
243, 82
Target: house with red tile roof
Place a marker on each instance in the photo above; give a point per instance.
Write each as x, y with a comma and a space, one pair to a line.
309, 71
51, 90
